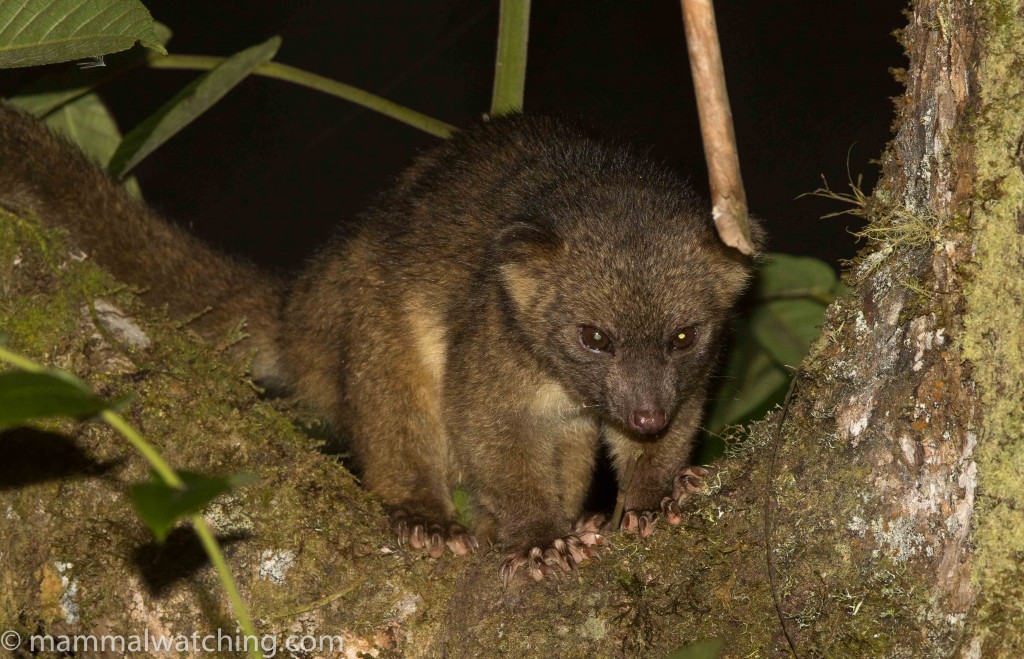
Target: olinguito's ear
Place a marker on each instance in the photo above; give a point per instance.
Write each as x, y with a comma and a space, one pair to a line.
522, 249
737, 270
524, 239
758, 236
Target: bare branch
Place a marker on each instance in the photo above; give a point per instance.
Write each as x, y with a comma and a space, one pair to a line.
728, 200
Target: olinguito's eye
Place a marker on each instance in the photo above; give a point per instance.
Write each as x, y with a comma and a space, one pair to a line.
684, 338
594, 339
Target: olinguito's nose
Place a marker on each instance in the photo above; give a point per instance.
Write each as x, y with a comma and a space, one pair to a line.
647, 421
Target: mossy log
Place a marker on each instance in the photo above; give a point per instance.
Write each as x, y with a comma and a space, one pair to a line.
893, 485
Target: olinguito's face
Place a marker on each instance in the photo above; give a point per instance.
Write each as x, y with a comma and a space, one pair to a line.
634, 343
630, 324
637, 381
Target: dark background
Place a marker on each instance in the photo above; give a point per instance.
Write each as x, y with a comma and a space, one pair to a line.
271, 168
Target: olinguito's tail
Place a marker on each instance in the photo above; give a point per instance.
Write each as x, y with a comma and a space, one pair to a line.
44, 175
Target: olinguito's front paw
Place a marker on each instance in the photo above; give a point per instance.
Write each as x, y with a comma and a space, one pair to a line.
565, 553
421, 533
687, 481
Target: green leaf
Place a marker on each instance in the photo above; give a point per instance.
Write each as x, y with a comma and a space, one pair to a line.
709, 648
786, 328
161, 506
752, 381
196, 98
43, 96
785, 275
751, 384
27, 396
87, 122
792, 293
34, 32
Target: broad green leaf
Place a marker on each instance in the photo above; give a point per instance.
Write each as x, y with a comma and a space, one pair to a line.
28, 396
34, 32
786, 328
785, 275
196, 98
161, 506
792, 292
45, 95
750, 385
709, 648
753, 380
87, 122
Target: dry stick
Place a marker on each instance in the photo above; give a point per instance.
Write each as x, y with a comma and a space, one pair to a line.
728, 200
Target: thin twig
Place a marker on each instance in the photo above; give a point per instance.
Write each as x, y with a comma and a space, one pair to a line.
768, 496
318, 604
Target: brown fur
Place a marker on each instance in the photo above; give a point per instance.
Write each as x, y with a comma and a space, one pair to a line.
42, 174
453, 307
440, 329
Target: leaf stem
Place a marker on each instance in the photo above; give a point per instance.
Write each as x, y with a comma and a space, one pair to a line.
163, 470
18, 361
199, 525
510, 63
172, 479
320, 83
212, 548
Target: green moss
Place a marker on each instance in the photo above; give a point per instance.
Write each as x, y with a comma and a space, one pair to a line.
993, 340
196, 410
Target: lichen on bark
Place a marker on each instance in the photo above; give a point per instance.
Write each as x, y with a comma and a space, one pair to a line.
994, 340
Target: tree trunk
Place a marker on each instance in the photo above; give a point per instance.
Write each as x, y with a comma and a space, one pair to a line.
879, 514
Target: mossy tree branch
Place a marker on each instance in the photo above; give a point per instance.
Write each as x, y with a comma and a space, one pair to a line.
894, 490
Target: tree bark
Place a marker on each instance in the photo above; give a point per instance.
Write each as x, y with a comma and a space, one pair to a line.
880, 514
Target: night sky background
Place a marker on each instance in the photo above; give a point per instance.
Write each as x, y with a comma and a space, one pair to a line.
273, 167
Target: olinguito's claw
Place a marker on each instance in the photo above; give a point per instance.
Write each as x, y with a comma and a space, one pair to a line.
562, 555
